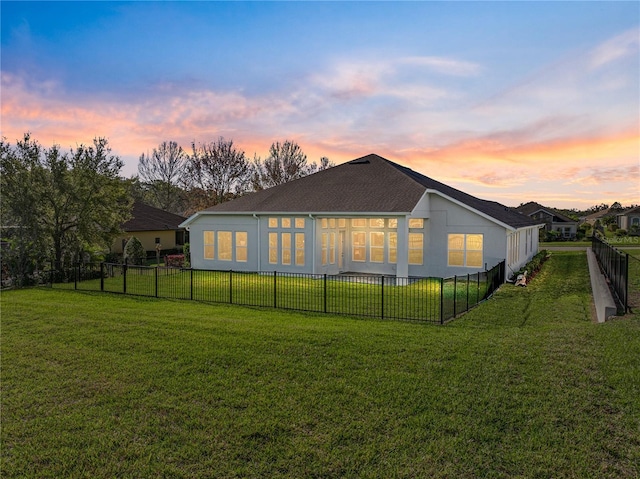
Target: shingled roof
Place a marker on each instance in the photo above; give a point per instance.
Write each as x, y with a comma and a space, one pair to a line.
148, 218
532, 207
370, 184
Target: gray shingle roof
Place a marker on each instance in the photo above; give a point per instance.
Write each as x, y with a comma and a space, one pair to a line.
533, 207
368, 184
148, 218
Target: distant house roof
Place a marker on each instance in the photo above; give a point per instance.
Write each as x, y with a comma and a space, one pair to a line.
148, 218
598, 214
370, 184
635, 209
532, 207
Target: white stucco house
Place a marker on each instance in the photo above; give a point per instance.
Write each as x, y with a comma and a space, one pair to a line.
369, 215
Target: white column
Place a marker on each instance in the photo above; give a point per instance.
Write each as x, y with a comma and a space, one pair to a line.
402, 254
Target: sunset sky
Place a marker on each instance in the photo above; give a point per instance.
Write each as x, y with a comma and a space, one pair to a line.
512, 102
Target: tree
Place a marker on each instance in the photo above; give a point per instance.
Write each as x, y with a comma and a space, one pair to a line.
22, 180
134, 252
286, 162
64, 203
162, 173
216, 172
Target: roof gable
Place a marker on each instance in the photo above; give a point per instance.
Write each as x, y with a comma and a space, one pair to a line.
370, 184
148, 218
532, 207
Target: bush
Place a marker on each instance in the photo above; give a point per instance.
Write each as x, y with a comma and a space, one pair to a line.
533, 266
174, 260
134, 252
621, 232
187, 255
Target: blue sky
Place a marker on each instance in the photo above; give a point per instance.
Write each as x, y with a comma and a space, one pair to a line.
509, 101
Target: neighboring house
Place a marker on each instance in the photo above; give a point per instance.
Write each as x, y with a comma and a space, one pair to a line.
151, 226
369, 215
593, 217
553, 220
629, 220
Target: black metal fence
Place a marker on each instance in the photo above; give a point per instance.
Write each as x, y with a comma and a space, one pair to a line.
615, 265
414, 298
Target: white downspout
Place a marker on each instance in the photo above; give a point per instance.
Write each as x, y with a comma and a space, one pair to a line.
258, 242
313, 232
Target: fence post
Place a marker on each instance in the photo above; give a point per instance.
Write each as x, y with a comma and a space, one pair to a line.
124, 276
626, 283
325, 292
455, 295
102, 276
230, 286
468, 279
275, 283
156, 273
382, 297
441, 300
191, 284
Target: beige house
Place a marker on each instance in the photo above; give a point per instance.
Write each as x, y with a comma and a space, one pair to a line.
152, 226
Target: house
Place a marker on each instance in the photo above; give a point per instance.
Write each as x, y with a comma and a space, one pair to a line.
151, 226
553, 220
629, 220
597, 216
369, 215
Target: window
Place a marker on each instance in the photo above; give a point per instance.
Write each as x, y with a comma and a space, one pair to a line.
342, 223
157, 240
299, 222
332, 222
359, 246
286, 248
332, 248
180, 238
393, 247
208, 245
358, 222
324, 248
299, 237
273, 222
376, 223
224, 245
285, 222
465, 250
393, 223
273, 248
376, 247
324, 223
241, 246
416, 242
416, 223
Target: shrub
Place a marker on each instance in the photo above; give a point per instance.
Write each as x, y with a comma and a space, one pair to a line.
174, 260
187, 255
134, 252
533, 266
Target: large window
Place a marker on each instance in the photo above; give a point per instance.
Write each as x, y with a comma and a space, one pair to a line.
208, 245
332, 248
241, 246
224, 245
416, 223
324, 248
299, 238
359, 246
376, 248
286, 248
416, 248
465, 250
273, 248
393, 247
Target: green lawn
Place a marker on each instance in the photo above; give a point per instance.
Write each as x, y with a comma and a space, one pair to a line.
526, 385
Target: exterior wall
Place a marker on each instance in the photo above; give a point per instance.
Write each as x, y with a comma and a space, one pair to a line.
522, 245
224, 223
449, 218
567, 230
148, 240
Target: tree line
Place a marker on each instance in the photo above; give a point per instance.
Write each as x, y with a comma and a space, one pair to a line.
66, 206
182, 182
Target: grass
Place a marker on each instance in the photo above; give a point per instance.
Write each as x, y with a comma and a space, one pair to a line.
526, 385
